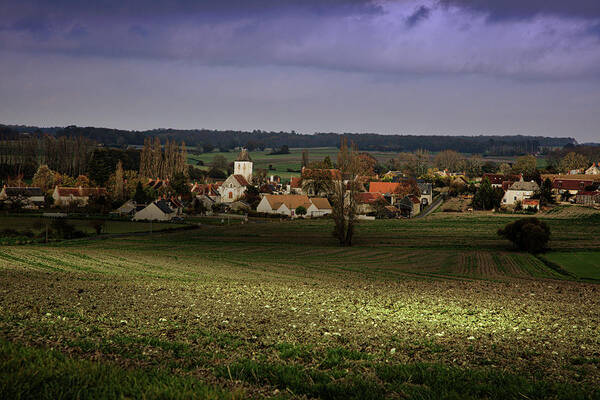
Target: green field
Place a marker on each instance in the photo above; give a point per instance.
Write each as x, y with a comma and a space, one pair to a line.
282, 162
22, 223
433, 308
584, 265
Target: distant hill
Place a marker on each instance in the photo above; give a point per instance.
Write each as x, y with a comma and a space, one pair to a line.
257, 139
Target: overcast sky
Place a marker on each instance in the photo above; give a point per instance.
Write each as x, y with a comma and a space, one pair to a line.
423, 67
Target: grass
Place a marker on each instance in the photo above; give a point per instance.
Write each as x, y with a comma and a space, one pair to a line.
585, 265
434, 308
22, 223
30, 373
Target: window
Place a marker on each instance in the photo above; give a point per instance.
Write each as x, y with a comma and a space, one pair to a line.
230, 195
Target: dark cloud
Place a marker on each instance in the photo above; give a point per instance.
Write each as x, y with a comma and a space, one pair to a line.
420, 14
516, 9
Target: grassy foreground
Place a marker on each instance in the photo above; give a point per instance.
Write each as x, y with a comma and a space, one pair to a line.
424, 309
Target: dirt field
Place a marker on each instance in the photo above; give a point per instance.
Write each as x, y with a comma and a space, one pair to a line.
432, 308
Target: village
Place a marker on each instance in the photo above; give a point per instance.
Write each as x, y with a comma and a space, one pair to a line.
392, 194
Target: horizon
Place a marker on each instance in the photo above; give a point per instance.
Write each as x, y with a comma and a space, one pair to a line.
461, 67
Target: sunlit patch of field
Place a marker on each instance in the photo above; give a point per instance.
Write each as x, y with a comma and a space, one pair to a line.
434, 308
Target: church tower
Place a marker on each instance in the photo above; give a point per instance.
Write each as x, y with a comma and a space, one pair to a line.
243, 165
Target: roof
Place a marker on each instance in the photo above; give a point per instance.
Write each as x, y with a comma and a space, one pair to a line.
163, 206
23, 191
497, 179
241, 180
368, 197
388, 187
321, 203
571, 184
243, 156
595, 178
291, 201
588, 193
80, 192
528, 186
206, 188
530, 202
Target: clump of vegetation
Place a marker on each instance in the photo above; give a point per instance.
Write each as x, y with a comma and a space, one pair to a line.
527, 234
487, 197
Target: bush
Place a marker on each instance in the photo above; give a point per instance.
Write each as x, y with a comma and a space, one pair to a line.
527, 234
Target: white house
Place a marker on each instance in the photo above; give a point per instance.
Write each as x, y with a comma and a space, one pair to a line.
286, 204
519, 191
64, 196
593, 170
159, 210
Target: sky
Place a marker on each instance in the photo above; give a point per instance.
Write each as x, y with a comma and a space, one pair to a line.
463, 67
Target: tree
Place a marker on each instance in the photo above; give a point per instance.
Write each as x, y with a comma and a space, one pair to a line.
545, 193
82, 181
421, 162
344, 194
179, 184
527, 234
140, 196
305, 161
118, 188
487, 197
573, 161
473, 165
504, 169
301, 211
526, 165
448, 159
44, 178
317, 182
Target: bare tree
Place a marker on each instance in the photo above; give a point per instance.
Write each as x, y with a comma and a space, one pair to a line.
344, 194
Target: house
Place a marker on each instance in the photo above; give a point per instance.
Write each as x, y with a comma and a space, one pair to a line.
410, 206
157, 184
593, 170
286, 204
366, 202
319, 208
127, 208
394, 191
64, 196
519, 191
588, 198
159, 210
30, 197
210, 190
562, 184
531, 203
235, 185
496, 180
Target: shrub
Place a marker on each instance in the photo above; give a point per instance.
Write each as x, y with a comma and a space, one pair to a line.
527, 234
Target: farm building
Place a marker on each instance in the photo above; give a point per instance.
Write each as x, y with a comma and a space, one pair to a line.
588, 198
410, 206
561, 185
498, 179
30, 197
126, 208
64, 196
519, 191
593, 170
366, 201
530, 203
286, 204
159, 210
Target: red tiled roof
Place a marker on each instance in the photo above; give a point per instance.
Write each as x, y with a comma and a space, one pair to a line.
571, 184
530, 202
368, 198
389, 187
